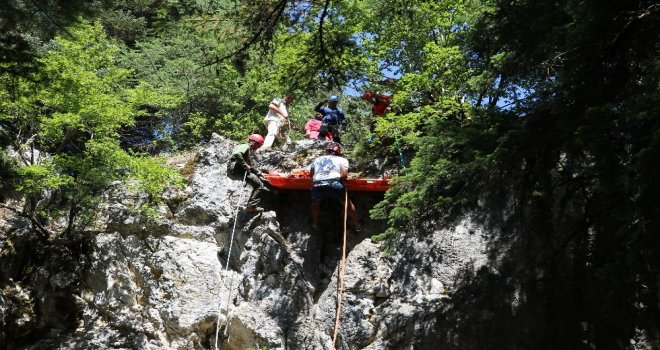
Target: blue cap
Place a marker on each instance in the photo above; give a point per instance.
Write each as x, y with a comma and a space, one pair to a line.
333, 99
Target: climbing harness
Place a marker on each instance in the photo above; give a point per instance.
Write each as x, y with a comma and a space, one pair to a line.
231, 283
341, 274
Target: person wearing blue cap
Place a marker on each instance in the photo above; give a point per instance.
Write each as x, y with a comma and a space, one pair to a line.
333, 118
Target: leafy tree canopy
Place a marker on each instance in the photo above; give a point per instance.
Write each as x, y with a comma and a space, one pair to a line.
71, 112
542, 115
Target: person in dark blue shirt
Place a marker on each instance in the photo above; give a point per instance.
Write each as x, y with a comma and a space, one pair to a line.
333, 118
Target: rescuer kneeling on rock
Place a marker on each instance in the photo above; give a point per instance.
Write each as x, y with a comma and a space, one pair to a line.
328, 174
240, 167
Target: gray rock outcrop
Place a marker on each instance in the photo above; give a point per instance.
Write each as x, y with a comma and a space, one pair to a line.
172, 282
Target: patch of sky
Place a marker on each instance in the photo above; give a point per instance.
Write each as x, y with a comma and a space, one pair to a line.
512, 100
357, 86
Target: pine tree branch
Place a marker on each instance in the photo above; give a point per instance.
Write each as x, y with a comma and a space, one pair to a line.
270, 22
322, 19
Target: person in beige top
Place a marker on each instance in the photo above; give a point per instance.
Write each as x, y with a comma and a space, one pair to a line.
277, 117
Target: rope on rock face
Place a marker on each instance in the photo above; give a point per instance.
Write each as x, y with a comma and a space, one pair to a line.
287, 141
231, 284
341, 273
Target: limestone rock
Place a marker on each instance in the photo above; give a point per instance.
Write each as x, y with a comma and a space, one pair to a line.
257, 280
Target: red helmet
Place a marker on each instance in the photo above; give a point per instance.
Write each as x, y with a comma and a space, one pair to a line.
333, 148
256, 138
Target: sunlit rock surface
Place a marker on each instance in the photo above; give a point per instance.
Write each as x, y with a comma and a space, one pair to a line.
173, 282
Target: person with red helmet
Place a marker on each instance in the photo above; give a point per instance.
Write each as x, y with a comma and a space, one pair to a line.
328, 174
240, 167
276, 117
380, 105
380, 102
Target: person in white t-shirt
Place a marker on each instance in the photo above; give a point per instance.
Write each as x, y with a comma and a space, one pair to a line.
328, 174
276, 117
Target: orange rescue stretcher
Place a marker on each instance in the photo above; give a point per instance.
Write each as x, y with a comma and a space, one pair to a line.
301, 180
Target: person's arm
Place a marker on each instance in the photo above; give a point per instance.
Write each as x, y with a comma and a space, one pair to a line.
318, 106
343, 173
388, 101
239, 156
246, 160
369, 97
275, 108
342, 118
343, 169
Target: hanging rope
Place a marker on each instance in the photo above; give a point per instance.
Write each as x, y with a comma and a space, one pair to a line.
288, 139
341, 273
231, 284
397, 143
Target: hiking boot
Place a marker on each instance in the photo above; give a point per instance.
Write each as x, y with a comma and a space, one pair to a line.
254, 210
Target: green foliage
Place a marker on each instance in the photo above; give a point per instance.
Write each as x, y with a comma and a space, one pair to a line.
444, 149
152, 176
431, 116
8, 174
541, 114
555, 147
230, 99
169, 68
37, 177
74, 109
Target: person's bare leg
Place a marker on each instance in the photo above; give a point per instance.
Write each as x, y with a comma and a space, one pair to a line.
316, 213
352, 214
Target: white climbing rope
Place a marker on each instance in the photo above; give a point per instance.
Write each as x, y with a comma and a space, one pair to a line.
231, 283
341, 274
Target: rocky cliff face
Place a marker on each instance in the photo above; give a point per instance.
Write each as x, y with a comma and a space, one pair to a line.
172, 283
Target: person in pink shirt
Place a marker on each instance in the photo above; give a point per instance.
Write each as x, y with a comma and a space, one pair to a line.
313, 128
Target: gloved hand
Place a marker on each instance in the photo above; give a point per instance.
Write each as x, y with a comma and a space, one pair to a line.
259, 174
